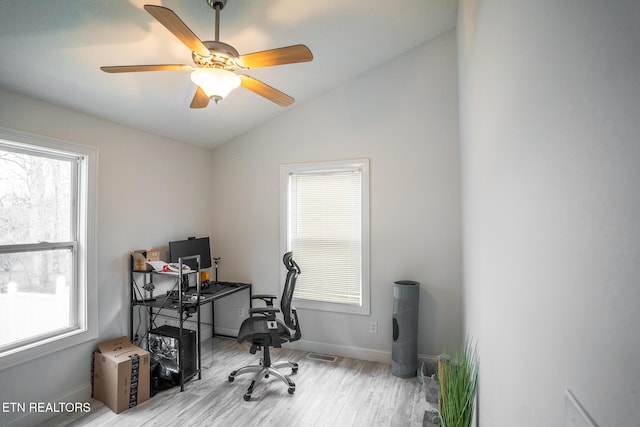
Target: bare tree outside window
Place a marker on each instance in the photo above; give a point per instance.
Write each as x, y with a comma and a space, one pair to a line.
36, 243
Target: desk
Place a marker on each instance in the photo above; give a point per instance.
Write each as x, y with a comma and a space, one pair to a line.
186, 305
218, 290
212, 293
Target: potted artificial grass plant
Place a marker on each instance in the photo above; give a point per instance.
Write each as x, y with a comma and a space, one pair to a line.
458, 383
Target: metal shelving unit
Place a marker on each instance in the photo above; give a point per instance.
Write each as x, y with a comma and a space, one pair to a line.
176, 300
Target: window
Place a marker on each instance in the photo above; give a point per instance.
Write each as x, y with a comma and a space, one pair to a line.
325, 222
46, 246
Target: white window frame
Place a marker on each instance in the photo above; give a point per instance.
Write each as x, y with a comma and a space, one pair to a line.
332, 166
86, 287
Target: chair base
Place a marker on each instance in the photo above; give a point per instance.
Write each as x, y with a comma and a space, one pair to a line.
262, 371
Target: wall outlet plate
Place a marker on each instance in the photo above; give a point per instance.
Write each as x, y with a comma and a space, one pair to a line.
373, 327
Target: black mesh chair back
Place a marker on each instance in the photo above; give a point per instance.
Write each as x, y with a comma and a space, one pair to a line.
293, 270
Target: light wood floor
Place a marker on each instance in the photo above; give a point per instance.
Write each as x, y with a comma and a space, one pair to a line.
347, 392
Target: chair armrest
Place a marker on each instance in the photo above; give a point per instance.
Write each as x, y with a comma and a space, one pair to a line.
267, 298
268, 311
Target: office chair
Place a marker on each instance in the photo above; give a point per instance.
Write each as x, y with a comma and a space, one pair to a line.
264, 330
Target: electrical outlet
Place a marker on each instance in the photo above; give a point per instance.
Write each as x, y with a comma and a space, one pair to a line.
373, 327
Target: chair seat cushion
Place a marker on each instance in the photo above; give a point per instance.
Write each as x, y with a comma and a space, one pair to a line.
255, 329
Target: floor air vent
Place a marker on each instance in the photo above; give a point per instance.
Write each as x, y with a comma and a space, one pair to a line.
322, 357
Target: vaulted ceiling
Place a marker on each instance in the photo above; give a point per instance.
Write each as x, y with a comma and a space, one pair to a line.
52, 50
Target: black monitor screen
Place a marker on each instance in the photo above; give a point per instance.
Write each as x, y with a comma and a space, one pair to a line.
190, 247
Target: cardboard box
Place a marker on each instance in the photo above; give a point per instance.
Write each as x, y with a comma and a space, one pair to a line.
120, 374
153, 255
139, 260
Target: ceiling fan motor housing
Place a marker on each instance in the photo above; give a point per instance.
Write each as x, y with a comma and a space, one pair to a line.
217, 3
221, 55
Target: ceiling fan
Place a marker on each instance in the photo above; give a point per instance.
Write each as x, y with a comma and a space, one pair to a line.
216, 62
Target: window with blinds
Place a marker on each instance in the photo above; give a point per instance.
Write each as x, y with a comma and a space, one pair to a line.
326, 222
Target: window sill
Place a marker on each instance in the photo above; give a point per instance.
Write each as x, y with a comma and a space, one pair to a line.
40, 349
333, 307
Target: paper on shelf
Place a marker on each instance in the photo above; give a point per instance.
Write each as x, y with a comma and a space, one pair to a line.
157, 265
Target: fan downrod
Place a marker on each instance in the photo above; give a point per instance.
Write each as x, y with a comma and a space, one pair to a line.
217, 5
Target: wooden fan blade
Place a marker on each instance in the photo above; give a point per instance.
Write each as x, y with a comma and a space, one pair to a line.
283, 55
266, 91
137, 68
173, 23
200, 99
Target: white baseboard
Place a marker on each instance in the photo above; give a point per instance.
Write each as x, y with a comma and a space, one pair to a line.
225, 332
342, 351
368, 354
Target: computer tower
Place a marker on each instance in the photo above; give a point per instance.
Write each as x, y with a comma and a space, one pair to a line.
164, 346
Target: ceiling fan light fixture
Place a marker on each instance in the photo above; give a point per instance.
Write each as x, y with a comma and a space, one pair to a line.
216, 62
215, 82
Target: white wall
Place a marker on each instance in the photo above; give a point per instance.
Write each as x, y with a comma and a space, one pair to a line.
550, 143
138, 176
403, 117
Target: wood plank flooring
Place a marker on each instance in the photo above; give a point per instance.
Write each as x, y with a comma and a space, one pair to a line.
346, 392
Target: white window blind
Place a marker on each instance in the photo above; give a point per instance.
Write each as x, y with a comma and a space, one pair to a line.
325, 225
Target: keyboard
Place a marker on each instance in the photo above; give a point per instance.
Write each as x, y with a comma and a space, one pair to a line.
213, 288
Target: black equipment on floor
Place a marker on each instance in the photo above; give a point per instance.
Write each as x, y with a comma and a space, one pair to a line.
168, 349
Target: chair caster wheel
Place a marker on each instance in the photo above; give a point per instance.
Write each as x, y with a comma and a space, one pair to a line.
247, 397
291, 390
231, 378
294, 370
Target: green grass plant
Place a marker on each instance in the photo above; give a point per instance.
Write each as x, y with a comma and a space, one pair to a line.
458, 383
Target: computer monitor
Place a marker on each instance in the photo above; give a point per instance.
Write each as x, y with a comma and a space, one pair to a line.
184, 248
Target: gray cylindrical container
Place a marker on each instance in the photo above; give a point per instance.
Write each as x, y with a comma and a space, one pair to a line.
404, 349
